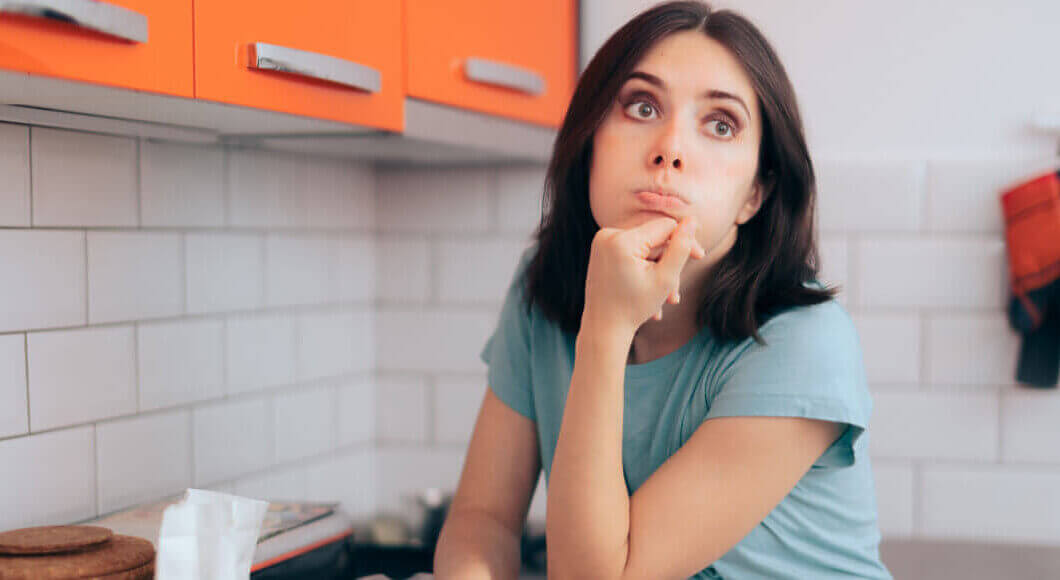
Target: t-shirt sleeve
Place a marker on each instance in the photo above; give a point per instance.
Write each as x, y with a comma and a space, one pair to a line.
810, 367
507, 350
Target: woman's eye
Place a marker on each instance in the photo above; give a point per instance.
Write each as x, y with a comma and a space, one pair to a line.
725, 128
640, 108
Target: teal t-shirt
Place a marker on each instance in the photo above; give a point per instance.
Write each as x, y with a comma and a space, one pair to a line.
826, 527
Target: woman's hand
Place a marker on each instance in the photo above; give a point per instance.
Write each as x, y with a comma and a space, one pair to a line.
623, 286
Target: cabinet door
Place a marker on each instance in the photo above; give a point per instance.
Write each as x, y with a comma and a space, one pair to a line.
329, 59
517, 59
135, 44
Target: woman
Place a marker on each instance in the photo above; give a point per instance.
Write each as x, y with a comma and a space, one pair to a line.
696, 398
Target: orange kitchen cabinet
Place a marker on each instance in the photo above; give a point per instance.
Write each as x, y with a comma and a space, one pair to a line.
328, 59
514, 59
135, 44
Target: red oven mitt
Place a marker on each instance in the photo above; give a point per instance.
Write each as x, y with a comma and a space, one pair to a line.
1032, 237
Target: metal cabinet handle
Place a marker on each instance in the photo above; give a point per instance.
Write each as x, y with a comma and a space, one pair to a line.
266, 56
491, 72
91, 14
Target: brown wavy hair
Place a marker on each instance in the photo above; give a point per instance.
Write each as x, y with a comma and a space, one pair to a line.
775, 251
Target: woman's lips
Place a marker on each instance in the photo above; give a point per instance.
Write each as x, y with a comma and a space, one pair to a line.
660, 202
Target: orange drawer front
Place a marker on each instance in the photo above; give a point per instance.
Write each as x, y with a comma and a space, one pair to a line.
135, 44
331, 59
515, 59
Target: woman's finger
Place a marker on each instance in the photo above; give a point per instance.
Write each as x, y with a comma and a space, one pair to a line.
650, 234
679, 250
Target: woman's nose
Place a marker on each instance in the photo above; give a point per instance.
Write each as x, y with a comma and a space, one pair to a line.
661, 160
667, 150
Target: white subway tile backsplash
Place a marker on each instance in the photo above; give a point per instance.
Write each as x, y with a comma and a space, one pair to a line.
349, 479
404, 473
260, 351
457, 401
282, 190
356, 413
180, 362
1000, 503
14, 418
1029, 428
231, 439
44, 279
965, 195
476, 271
520, 191
402, 409
403, 269
930, 273
14, 166
438, 341
224, 272
80, 375
434, 200
181, 185
935, 425
869, 196
971, 349
890, 345
83, 179
297, 269
304, 422
286, 485
49, 479
134, 275
339, 194
353, 268
894, 497
834, 253
142, 458
334, 343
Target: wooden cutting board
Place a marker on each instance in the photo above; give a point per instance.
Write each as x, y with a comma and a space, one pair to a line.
67, 552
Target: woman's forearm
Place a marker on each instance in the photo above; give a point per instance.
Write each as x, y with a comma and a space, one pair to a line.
587, 520
474, 546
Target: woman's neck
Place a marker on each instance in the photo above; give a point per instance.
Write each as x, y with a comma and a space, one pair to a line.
658, 338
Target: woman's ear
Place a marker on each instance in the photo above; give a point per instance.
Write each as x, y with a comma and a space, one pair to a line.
752, 205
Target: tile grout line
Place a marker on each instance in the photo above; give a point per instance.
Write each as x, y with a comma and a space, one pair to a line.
925, 354
29, 155
1000, 431
25, 343
432, 410
95, 466
191, 446
136, 364
917, 500
85, 239
139, 187
183, 248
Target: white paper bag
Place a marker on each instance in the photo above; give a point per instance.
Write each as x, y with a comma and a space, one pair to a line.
209, 536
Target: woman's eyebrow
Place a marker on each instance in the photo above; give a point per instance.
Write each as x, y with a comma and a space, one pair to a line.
710, 94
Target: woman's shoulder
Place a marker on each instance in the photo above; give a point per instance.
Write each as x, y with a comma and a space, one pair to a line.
826, 320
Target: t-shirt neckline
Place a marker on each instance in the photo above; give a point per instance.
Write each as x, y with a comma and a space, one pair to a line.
656, 367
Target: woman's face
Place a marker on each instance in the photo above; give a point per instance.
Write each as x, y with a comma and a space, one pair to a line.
666, 132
